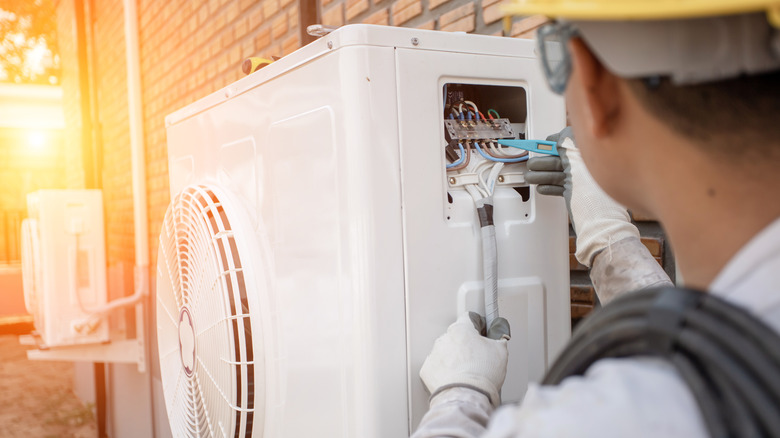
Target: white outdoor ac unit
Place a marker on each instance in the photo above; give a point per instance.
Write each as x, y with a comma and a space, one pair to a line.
64, 266
316, 243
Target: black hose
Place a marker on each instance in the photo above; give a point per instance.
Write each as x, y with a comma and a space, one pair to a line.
728, 358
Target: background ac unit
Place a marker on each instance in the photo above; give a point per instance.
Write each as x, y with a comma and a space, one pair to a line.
316, 245
64, 266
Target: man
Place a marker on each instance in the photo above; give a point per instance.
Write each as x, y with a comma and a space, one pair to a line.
675, 107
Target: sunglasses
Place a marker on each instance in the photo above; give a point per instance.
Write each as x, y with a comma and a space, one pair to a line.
552, 47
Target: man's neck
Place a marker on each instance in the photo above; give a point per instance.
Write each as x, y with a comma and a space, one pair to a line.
710, 211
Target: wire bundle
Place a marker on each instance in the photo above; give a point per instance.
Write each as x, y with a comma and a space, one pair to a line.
729, 358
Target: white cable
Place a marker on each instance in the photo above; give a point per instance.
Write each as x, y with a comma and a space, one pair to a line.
493, 177
473, 105
490, 273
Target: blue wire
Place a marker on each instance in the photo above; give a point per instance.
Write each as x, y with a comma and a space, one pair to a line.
461, 160
500, 160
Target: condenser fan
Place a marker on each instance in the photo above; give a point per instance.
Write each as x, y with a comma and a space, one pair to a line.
207, 362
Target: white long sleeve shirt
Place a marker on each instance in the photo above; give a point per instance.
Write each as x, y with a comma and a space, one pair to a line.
634, 397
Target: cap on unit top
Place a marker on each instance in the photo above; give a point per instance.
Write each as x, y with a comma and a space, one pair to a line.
362, 35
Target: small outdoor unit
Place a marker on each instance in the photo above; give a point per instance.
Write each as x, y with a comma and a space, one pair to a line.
64, 266
322, 233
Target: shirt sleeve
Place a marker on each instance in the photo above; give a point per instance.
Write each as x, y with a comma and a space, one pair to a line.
457, 413
617, 398
626, 266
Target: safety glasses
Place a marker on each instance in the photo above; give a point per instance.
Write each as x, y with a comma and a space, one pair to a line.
553, 51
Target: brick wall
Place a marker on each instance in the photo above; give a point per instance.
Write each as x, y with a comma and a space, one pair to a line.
113, 135
189, 49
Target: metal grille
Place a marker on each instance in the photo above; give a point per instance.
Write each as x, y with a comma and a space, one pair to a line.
200, 273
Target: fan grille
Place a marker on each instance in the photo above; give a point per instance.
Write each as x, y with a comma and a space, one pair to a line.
203, 324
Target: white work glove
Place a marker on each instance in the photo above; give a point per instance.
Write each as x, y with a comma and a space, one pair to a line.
463, 357
598, 220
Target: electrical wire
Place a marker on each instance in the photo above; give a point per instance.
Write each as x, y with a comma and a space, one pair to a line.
500, 160
498, 152
491, 110
464, 162
461, 160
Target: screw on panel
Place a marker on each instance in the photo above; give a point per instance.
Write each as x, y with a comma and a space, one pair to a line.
415, 41
500, 178
330, 44
453, 180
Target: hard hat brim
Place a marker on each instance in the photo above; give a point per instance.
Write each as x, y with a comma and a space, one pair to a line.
632, 10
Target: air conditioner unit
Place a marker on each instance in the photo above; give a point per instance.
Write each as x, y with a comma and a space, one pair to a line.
320, 236
64, 266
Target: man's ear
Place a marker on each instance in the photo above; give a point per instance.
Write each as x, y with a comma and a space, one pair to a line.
601, 92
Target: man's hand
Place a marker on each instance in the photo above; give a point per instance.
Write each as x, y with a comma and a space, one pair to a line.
598, 220
462, 357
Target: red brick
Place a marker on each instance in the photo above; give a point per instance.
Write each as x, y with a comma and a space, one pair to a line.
241, 28
529, 24
491, 11
256, 18
290, 45
404, 10
575, 265
245, 4
583, 294
270, 7
232, 12
334, 16
531, 34
432, 4
279, 27
580, 310
292, 17
355, 8
461, 19
262, 40
428, 25
379, 17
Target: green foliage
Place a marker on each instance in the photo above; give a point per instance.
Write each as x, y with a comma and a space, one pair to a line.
28, 42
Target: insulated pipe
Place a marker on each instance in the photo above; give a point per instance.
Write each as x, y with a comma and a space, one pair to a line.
138, 171
138, 163
138, 159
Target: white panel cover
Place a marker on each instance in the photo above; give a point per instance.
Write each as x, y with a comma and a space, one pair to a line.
334, 156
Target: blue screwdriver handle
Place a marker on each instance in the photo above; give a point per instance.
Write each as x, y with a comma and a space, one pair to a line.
540, 146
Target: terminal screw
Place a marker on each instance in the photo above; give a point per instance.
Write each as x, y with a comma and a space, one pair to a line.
453, 180
415, 41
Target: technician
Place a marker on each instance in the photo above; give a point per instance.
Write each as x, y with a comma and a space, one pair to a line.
675, 106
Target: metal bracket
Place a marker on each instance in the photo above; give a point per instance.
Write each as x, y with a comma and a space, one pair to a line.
504, 179
511, 179
125, 351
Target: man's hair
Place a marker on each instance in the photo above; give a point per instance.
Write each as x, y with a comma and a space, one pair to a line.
736, 117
